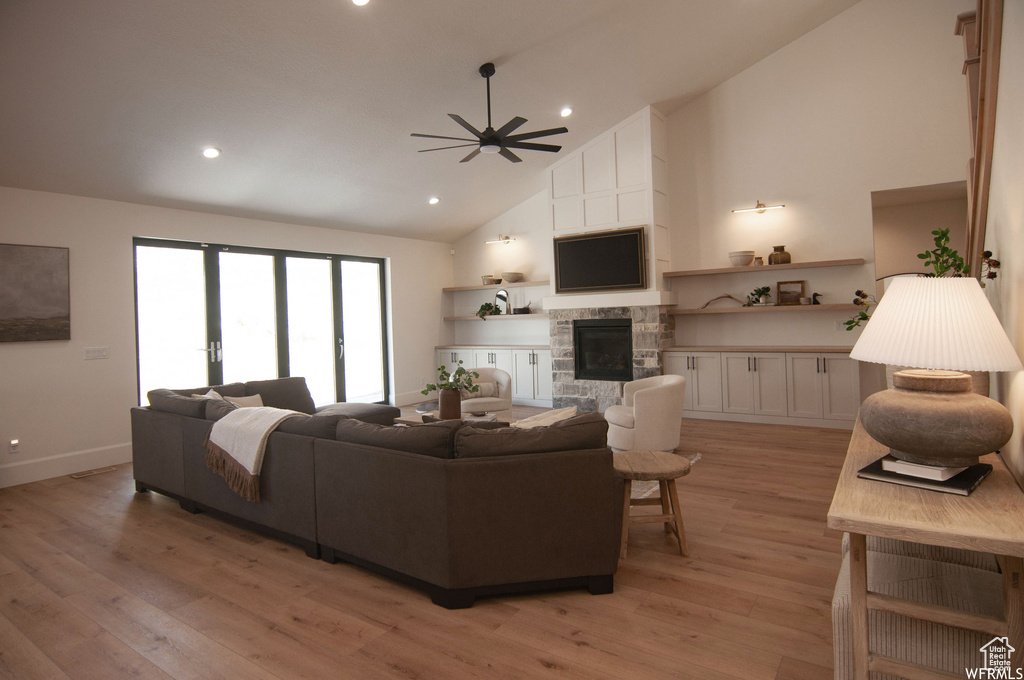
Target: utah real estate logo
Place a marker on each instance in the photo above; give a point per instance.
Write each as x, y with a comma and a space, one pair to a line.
997, 653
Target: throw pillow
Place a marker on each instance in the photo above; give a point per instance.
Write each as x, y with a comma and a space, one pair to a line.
585, 431
218, 408
487, 389
546, 418
254, 400
290, 393
431, 439
172, 402
212, 394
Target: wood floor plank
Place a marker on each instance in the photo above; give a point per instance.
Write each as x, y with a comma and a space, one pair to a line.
97, 581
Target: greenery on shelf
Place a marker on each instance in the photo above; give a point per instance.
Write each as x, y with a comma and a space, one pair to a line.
943, 260
758, 296
488, 309
459, 379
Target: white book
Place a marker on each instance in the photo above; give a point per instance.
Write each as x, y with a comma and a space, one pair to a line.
938, 473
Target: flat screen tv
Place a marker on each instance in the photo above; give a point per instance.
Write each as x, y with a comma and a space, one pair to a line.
604, 260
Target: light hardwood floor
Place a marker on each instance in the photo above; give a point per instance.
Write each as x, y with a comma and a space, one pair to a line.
99, 582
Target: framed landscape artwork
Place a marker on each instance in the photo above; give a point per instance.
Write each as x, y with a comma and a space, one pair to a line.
789, 292
35, 294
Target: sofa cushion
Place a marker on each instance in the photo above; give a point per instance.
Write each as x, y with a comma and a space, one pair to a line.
585, 431
381, 414
218, 408
482, 424
172, 402
230, 389
429, 439
289, 393
317, 425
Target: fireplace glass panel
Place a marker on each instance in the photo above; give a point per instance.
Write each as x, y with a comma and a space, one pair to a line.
603, 349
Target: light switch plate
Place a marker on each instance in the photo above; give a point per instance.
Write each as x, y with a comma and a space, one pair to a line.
96, 353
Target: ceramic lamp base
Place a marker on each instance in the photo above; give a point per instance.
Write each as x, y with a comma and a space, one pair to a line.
933, 418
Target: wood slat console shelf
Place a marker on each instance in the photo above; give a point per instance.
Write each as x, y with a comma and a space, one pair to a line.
500, 317
986, 521
765, 268
679, 311
496, 286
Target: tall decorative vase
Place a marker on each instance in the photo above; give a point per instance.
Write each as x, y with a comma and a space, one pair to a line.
449, 405
780, 256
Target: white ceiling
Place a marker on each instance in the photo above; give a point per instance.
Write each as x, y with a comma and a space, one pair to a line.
312, 102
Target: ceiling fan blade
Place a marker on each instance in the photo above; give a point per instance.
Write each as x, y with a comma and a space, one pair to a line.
509, 155
458, 119
532, 147
509, 126
539, 133
457, 146
471, 156
461, 139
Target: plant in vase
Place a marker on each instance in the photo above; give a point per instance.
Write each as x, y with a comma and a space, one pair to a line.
488, 309
449, 388
759, 296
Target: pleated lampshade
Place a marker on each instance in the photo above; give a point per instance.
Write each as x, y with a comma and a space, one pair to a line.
936, 323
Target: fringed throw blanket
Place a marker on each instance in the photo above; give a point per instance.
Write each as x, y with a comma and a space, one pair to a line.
235, 447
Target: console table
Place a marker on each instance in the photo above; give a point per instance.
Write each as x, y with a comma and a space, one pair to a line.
990, 520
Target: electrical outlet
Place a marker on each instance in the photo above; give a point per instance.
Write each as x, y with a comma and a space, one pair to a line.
96, 353
15, 445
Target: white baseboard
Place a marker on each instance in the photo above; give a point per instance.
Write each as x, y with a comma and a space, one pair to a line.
24, 472
770, 420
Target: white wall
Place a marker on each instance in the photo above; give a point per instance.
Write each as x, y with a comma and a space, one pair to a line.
903, 231
530, 253
1005, 229
72, 414
873, 99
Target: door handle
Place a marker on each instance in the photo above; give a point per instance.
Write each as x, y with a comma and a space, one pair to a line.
220, 352
341, 348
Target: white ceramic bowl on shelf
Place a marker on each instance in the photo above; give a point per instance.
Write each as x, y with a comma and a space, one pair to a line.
512, 277
741, 258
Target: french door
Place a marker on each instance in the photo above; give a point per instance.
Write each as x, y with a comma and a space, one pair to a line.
212, 314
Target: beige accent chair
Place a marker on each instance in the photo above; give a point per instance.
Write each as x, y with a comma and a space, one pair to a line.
500, 400
650, 415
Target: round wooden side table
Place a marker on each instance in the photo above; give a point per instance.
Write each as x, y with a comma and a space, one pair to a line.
657, 466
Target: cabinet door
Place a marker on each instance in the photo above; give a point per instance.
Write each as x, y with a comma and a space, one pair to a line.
444, 358
522, 374
769, 384
704, 382
840, 386
542, 374
482, 358
502, 359
803, 378
679, 364
737, 383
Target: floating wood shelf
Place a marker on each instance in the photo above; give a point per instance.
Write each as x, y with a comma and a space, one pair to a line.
749, 269
500, 317
770, 308
497, 286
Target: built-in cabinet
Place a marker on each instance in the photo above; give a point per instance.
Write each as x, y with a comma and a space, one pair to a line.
530, 368
703, 373
800, 386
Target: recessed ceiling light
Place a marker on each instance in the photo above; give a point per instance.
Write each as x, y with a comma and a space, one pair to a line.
211, 152
434, 200
566, 111
360, 2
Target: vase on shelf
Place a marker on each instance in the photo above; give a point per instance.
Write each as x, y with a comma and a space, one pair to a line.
449, 404
780, 256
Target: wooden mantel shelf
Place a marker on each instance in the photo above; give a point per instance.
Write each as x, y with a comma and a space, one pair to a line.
497, 286
499, 317
770, 308
764, 269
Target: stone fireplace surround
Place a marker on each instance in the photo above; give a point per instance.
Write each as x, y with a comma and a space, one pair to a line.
653, 331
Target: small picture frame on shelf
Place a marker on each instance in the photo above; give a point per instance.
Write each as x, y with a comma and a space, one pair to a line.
789, 292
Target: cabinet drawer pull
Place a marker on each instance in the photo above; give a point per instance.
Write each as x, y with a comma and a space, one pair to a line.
824, 365
748, 364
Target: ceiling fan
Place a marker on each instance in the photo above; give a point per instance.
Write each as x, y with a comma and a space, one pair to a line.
499, 141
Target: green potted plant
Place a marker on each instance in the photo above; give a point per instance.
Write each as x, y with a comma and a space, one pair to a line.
759, 296
449, 388
488, 309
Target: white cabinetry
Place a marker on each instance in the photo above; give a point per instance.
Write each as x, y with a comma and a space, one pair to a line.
531, 376
492, 358
703, 373
450, 358
754, 383
823, 386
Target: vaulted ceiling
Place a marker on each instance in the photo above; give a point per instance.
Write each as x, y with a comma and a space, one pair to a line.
313, 102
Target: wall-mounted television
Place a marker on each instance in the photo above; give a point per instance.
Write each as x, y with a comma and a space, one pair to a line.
603, 260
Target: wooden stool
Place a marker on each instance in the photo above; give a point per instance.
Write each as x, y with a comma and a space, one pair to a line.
652, 466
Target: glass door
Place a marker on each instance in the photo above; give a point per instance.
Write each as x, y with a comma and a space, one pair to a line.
311, 336
365, 366
248, 316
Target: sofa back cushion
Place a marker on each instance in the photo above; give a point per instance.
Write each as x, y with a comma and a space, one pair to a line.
429, 439
289, 393
585, 431
229, 390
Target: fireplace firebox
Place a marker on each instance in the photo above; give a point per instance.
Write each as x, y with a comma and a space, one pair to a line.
603, 349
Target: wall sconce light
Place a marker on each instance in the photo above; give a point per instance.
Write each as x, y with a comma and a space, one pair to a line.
761, 207
502, 239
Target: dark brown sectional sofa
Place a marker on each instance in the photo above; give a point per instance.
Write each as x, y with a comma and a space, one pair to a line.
459, 511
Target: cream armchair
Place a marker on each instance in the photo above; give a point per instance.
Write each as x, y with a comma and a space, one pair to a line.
650, 415
495, 390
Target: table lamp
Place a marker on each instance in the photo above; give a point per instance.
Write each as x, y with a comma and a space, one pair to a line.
931, 417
